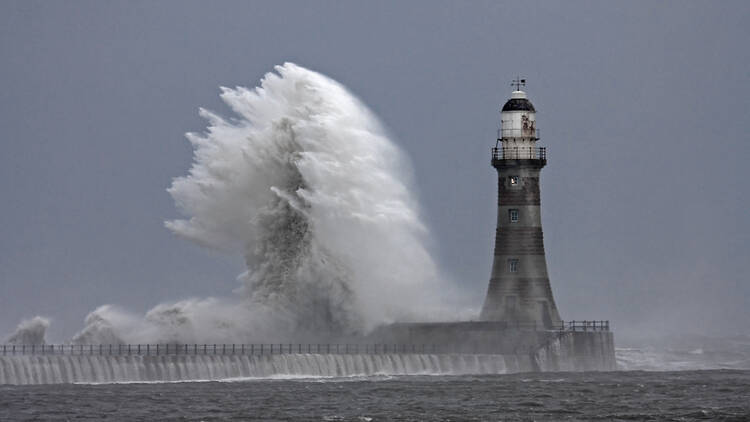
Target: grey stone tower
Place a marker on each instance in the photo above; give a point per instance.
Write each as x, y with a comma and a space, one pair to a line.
519, 290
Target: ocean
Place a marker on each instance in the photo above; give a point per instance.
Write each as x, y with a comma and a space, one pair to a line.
711, 382
619, 396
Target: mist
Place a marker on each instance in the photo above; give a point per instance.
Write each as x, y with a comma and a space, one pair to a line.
30, 331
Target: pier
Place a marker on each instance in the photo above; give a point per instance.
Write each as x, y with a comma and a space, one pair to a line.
260, 349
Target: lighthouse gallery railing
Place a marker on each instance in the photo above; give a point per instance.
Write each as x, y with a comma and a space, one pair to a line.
519, 153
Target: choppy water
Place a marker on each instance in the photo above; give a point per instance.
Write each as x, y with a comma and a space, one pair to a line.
651, 359
686, 353
632, 395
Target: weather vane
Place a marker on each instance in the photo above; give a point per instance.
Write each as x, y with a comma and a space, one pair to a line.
518, 83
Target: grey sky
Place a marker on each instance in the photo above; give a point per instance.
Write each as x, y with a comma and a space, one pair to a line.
643, 106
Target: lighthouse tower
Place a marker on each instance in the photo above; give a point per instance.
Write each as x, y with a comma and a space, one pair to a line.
519, 292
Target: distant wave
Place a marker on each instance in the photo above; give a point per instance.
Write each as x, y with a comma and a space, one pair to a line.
665, 359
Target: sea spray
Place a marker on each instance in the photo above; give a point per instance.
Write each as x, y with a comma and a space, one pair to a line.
30, 331
306, 185
209, 320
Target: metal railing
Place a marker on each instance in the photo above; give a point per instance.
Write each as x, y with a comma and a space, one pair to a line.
585, 326
519, 153
597, 325
278, 348
211, 349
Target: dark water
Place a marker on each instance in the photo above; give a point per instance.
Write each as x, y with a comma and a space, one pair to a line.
673, 396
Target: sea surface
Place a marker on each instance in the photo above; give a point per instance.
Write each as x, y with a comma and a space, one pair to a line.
722, 395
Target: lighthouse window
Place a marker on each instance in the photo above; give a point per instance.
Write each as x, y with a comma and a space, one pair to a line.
513, 214
513, 180
513, 265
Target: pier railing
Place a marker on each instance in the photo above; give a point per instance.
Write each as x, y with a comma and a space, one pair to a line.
212, 349
287, 348
585, 326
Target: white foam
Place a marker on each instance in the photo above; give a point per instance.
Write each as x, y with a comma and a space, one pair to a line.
55, 369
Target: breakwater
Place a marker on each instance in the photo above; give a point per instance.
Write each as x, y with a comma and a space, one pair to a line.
54, 369
561, 350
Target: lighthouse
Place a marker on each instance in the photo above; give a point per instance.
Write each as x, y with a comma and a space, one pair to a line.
519, 291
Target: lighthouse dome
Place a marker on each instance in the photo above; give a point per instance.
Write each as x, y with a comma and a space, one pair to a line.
518, 102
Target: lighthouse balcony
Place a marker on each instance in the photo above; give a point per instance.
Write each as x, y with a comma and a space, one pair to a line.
519, 153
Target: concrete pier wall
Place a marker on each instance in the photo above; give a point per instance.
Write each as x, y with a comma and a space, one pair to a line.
552, 350
60, 369
578, 351
398, 349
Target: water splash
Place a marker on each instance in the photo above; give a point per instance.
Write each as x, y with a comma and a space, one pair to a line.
30, 331
306, 185
56, 369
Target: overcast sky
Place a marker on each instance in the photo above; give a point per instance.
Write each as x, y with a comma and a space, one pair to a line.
643, 106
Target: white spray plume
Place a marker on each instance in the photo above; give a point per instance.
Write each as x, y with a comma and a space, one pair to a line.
305, 184
208, 320
308, 187
30, 331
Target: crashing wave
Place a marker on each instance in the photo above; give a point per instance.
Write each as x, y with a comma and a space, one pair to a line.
305, 184
30, 331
